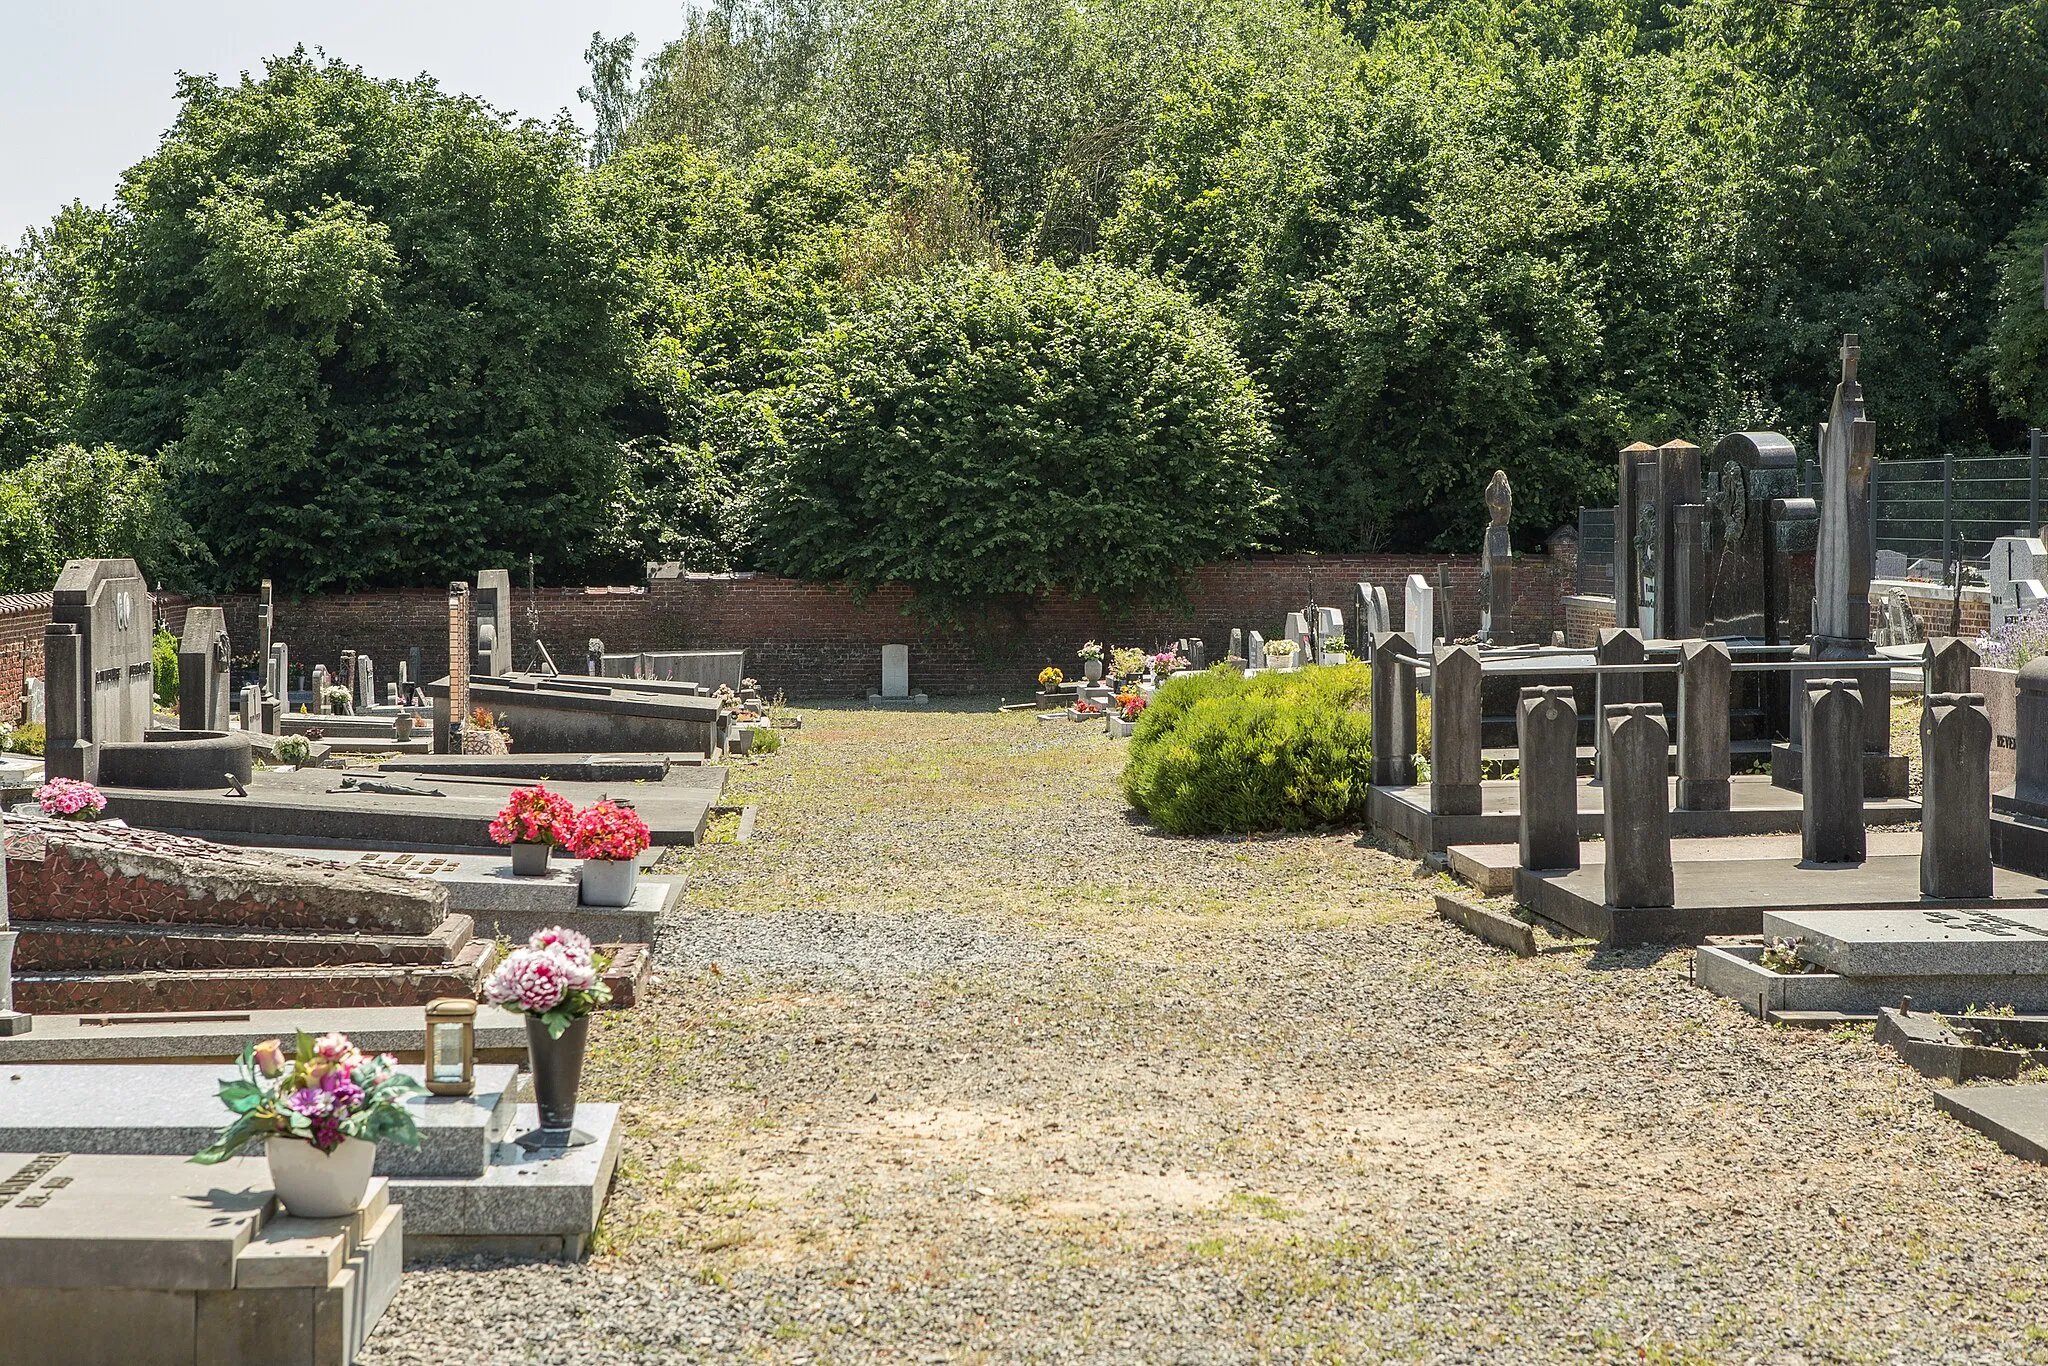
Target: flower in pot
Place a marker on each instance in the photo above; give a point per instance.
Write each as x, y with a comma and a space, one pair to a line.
340, 700
533, 821
70, 800
1280, 653
556, 980
320, 1115
1090, 656
609, 838
1132, 704
294, 751
1126, 662
1050, 678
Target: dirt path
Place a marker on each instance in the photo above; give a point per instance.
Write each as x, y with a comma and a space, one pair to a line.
956, 1062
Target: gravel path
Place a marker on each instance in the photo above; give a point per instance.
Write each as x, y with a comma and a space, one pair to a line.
957, 1062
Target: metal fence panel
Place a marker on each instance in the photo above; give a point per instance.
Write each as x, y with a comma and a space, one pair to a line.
1596, 551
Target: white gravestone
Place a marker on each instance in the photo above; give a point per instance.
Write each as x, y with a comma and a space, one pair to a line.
1255, 652
1420, 621
895, 671
1330, 630
2015, 569
35, 701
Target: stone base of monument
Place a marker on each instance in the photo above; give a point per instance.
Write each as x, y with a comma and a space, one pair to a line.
1756, 807
316, 808
556, 714
220, 1036
1745, 896
1734, 971
551, 768
2017, 841
1884, 775
1491, 867
469, 1188
151, 1261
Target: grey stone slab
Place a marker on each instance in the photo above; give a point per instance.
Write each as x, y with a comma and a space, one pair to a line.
221, 1036
1907, 943
553, 768
2014, 1117
523, 1195
130, 1223
1454, 749
174, 1110
99, 1327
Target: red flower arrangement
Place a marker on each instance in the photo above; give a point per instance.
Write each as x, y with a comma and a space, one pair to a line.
1133, 705
606, 830
534, 815
1087, 709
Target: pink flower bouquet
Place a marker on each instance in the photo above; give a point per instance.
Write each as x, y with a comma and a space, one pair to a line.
68, 799
558, 977
606, 830
328, 1090
534, 815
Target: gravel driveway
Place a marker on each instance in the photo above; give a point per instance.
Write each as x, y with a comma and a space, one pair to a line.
955, 1061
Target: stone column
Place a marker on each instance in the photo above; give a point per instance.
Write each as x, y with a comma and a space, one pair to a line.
1948, 661
1454, 732
448, 736
1636, 807
2030, 733
1393, 711
12, 1021
1618, 645
1831, 778
67, 752
1547, 737
1686, 615
1703, 763
1955, 796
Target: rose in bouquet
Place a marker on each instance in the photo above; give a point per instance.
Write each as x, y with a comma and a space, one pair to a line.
71, 800
534, 815
607, 830
328, 1090
558, 976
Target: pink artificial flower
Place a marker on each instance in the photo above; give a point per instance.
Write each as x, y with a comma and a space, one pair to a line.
70, 799
333, 1047
607, 830
533, 980
270, 1057
575, 947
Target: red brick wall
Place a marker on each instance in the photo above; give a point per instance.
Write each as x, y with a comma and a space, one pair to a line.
811, 640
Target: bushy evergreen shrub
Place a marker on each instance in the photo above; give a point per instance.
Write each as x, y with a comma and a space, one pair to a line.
1218, 754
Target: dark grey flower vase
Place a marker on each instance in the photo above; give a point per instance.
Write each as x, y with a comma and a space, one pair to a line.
557, 1066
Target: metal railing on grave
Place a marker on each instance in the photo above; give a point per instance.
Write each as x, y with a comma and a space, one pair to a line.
1596, 552
1949, 508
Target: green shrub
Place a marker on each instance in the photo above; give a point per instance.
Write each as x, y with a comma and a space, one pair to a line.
765, 742
163, 659
1217, 754
26, 738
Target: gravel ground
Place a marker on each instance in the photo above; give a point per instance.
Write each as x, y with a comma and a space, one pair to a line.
958, 1062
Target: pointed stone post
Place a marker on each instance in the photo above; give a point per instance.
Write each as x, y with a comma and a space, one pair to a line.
1393, 711
68, 752
1947, 662
1703, 762
1831, 779
1547, 740
1454, 751
1955, 797
1636, 808
1618, 645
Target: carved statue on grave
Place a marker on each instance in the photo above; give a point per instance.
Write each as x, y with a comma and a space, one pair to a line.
1500, 499
1495, 558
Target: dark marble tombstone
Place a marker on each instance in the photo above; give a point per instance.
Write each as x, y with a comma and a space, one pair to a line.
203, 660
493, 616
1547, 739
1745, 473
1454, 736
1955, 799
1841, 594
1636, 807
1617, 645
1703, 730
1636, 498
1675, 587
1947, 663
1832, 790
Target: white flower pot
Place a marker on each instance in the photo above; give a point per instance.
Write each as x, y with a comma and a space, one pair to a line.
317, 1185
609, 882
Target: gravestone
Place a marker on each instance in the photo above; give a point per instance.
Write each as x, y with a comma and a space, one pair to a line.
1361, 620
1831, 817
1419, 604
321, 681
1454, 750
1255, 652
1618, 645
1393, 711
277, 694
1955, 798
1330, 635
1296, 630
366, 683
250, 708
1703, 731
1636, 501
102, 695
347, 677
1891, 564
449, 739
35, 712
1898, 625
1636, 814
266, 624
1947, 662
203, 665
895, 672
1847, 446
1378, 620
1496, 582
1237, 643
492, 605
12, 1021
1547, 748
2014, 572
1745, 473
2030, 726
1660, 569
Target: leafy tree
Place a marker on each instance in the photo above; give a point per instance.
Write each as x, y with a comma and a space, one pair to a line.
46, 291
979, 433
69, 502
369, 328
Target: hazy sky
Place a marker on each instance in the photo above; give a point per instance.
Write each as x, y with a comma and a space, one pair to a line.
86, 85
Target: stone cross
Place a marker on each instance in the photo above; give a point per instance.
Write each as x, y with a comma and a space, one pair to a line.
1420, 608
1636, 806
1393, 711
1495, 558
12, 1021
1848, 445
1703, 733
1454, 750
1547, 740
1955, 800
1831, 778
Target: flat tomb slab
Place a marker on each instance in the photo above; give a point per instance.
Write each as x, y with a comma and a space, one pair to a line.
220, 1036
1492, 866
553, 768
544, 1203
134, 1223
1736, 971
2006, 941
174, 1110
1732, 896
2015, 1117
1756, 808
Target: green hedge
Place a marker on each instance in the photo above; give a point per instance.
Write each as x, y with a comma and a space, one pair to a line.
1221, 754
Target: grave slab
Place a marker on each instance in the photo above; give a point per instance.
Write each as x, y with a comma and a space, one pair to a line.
1736, 971
220, 1037
162, 1110
1732, 897
533, 1204
552, 768
1919, 943
2014, 1117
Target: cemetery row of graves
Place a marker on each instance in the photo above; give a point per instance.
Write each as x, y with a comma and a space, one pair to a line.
297, 976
